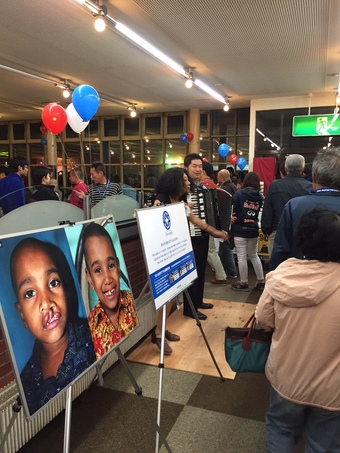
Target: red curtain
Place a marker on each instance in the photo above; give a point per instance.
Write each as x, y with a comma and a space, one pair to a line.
266, 168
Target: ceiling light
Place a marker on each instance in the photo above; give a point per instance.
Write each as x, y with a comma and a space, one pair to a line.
141, 42
209, 90
132, 108
65, 86
66, 93
189, 78
99, 24
227, 105
189, 83
149, 48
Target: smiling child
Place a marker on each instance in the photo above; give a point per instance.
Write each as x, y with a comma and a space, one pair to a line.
114, 316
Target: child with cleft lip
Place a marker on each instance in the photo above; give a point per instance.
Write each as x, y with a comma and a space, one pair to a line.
47, 302
114, 316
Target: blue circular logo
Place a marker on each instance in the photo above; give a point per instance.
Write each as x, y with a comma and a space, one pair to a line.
166, 220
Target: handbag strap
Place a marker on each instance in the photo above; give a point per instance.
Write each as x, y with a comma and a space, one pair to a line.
246, 343
250, 319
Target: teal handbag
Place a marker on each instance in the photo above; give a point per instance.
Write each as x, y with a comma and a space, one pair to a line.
247, 348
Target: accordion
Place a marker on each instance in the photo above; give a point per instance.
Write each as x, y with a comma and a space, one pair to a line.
213, 206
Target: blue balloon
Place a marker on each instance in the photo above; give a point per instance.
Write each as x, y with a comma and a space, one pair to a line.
241, 163
43, 142
223, 149
85, 100
183, 138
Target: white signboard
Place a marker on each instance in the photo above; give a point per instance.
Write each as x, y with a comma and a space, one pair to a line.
168, 251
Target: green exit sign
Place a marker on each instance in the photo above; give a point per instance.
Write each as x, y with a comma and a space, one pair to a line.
316, 125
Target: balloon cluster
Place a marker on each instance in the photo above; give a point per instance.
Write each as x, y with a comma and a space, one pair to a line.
85, 103
186, 137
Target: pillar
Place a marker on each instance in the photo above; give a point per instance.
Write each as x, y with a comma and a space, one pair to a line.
194, 128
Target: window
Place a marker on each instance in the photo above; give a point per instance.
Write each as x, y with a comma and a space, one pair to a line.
19, 131
175, 124
153, 125
131, 126
3, 131
111, 127
153, 152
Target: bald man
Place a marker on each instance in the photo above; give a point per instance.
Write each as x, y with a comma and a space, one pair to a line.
224, 181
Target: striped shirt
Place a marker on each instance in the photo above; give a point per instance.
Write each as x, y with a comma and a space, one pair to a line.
99, 191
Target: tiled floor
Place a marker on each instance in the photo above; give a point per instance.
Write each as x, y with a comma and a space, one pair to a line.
199, 414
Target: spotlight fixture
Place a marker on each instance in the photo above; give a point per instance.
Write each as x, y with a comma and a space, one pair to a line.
132, 108
99, 23
98, 9
189, 82
65, 86
226, 105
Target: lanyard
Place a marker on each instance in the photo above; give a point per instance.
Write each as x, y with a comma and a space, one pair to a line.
324, 189
102, 195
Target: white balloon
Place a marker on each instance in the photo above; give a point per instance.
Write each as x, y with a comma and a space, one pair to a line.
74, 120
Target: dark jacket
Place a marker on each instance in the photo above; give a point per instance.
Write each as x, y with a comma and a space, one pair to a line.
247, 204
42, 192
279, 192
284, 246
12, 192
229, 187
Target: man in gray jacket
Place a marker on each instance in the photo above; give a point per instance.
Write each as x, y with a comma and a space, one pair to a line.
326, 195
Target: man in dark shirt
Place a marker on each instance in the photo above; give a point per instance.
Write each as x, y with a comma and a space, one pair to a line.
326, 195
280, 191
12, 188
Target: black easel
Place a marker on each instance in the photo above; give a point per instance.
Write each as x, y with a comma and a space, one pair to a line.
198, 323
139, 392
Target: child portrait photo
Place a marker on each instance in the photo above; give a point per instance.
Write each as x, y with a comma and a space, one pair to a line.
43, 315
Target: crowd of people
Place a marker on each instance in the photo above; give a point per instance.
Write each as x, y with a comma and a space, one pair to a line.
299, 295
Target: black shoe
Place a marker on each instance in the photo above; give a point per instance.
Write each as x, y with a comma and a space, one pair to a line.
205, 306
200, 316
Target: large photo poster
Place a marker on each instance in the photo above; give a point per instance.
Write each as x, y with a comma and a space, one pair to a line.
56, 328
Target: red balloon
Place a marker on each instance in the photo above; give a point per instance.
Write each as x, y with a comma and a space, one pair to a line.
43, 129
233, 159
54, 117
190, 136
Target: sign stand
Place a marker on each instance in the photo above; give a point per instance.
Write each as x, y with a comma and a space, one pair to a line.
161, 368
16, 409
68, 412
139, 392
171, 266
198, 323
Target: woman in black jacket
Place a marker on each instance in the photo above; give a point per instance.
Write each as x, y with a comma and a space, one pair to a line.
245, 229
42, 189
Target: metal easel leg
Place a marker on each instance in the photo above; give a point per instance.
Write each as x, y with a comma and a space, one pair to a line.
198, 322
139, 392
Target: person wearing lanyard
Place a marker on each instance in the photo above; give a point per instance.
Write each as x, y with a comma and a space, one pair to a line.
326, 195
101, 187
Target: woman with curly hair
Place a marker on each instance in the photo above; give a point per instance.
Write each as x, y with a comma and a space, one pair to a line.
173, 187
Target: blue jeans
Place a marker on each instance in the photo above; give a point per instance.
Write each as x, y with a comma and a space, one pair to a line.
285, 420
227, 257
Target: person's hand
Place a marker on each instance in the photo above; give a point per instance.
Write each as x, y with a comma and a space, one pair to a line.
80, 193
233, 218
220, 234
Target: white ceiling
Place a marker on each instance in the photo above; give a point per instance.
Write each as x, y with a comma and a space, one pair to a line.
245, 49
